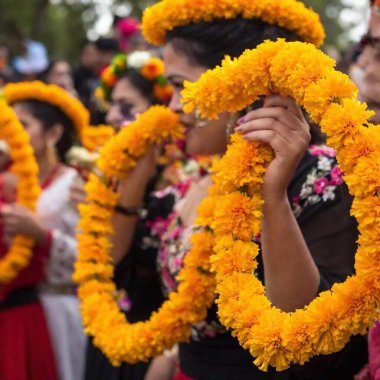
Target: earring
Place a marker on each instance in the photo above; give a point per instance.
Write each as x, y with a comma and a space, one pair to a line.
52, 154
199, 121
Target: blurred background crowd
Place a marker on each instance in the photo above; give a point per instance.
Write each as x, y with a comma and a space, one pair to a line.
69, 42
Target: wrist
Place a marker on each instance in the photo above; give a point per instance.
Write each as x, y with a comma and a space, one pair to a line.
275, 197
131, 194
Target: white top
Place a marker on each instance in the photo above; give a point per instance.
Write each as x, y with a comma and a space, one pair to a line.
58, 214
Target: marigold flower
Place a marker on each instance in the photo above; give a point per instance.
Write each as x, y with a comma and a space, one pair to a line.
163, 17
28, 190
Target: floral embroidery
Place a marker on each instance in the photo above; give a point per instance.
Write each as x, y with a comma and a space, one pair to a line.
322, 182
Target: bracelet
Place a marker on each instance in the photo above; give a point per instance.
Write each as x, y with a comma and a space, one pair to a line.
128, 211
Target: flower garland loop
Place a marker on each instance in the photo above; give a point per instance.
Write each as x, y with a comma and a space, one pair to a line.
56, 96
293, 15
112, 333
276, 338
28, 190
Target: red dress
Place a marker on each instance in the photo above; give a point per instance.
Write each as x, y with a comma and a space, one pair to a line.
25, 349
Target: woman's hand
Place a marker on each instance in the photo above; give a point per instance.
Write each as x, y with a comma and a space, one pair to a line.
18, 219
162, 368
281, 124
133, 187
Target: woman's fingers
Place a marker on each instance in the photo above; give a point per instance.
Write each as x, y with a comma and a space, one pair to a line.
264, 124
285, 102
290, 135
281, 114
278, 142
271, 137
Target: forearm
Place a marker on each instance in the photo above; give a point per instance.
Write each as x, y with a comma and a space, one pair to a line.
291, 276
131, 196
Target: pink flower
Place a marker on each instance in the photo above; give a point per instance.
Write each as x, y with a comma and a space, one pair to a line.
125, 304
336, 176
322, 150
158, 226
128, 26
320, 185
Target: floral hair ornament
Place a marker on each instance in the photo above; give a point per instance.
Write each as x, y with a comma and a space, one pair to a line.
91, 137
28, 189
50, 94
293, 15
298, 70
144, 63
127, 27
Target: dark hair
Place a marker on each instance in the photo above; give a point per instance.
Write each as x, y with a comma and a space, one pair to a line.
143, 85
50, 115
107, 44
207, 43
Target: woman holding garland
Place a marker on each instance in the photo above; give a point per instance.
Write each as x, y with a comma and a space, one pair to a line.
129, 87
308, 239
52, 133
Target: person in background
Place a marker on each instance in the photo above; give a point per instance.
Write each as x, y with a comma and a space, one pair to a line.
6, 72
128, 94
369, 90
52, 133
59, 72
127, 31
366, 71
107, 48
86, 74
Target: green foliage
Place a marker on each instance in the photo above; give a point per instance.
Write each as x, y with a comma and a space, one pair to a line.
330, 10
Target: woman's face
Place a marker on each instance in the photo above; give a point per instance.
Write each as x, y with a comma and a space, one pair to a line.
38, 139
368, 68
127, 103
61, 75
210, 139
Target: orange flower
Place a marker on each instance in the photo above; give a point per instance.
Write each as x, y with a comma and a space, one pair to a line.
28, 190
153, 69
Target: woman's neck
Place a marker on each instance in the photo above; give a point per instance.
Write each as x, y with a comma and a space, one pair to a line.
46, 165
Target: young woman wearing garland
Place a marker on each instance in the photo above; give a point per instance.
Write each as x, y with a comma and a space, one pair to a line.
130, 86
53, 226
308, 240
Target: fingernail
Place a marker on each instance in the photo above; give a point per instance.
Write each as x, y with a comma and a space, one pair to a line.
241, 121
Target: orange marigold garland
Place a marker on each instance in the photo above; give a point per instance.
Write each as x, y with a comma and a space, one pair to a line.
276, 338
112, 333
28, 190
293, 15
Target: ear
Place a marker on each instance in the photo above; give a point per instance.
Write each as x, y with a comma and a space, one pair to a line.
54, 134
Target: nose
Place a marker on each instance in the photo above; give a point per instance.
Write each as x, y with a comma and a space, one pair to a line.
114, 116
176, 102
